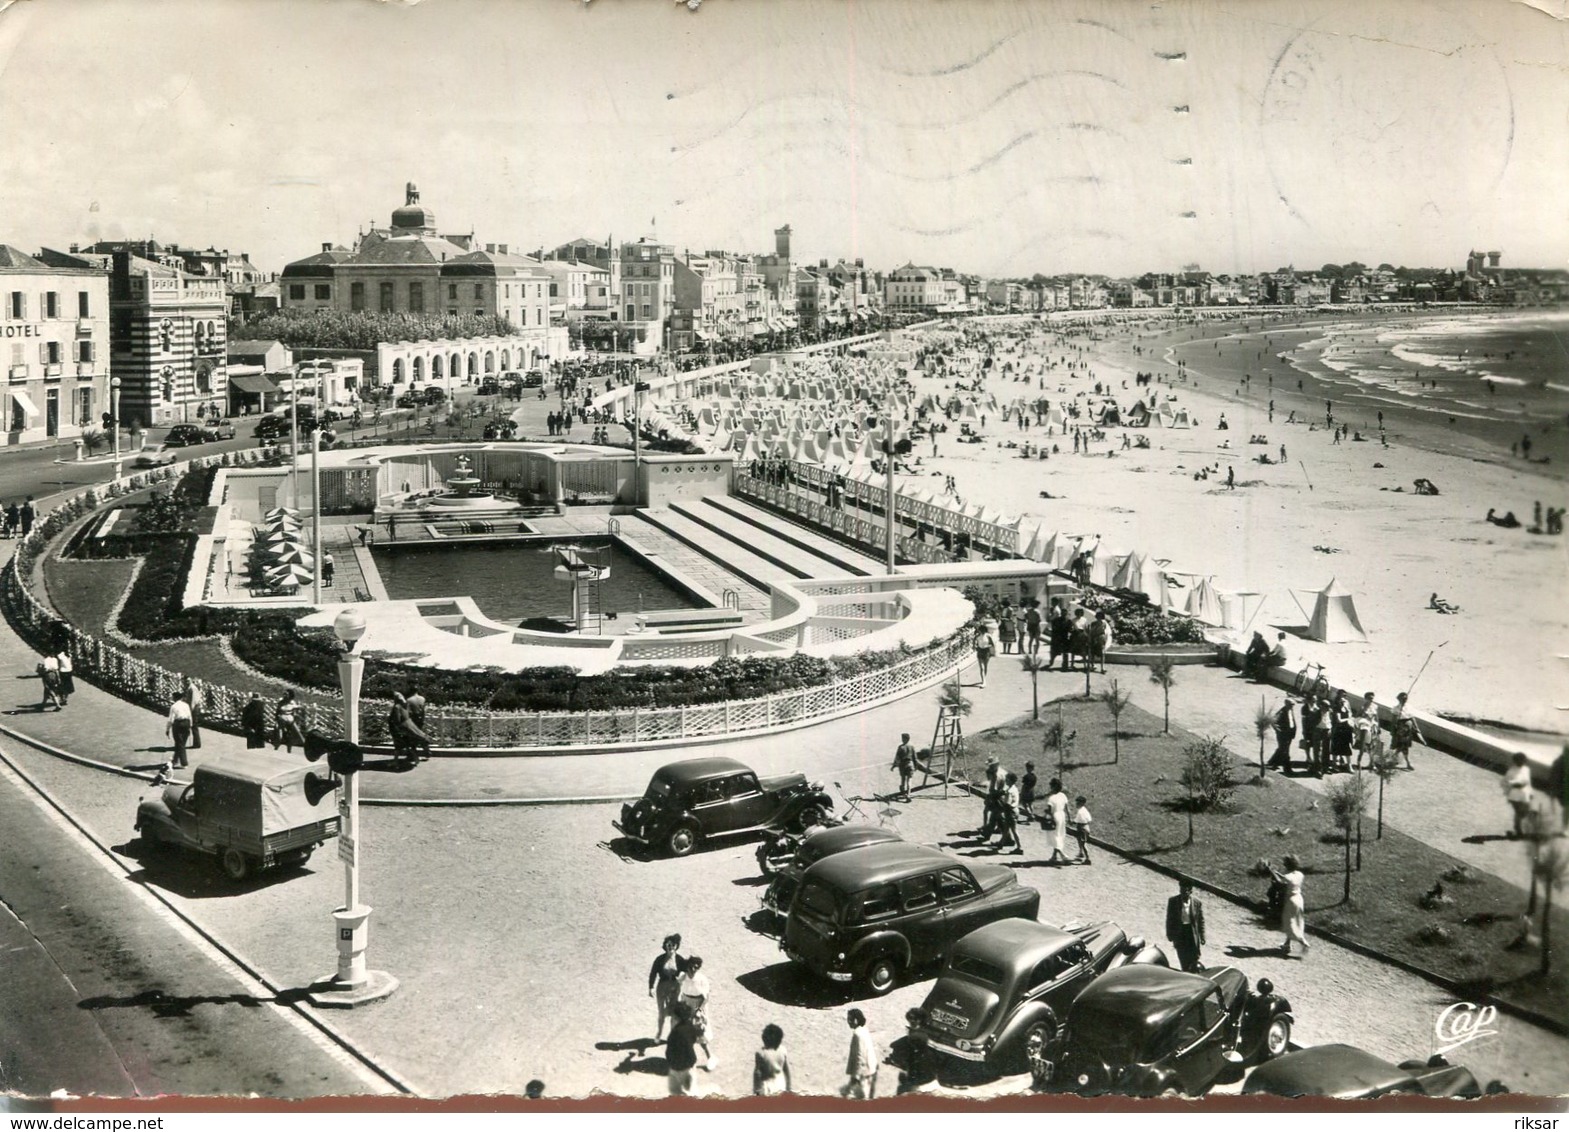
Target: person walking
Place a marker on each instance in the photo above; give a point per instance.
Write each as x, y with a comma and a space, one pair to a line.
1057, 819
1061, 632
904, 763
288, 733
1315, 731
861, 1067
1368, 731
416, 703
49, 674
1008, 814
13, 520
1007, 630
195, 697
1285, 734
67, 675
681, 1052
985, 647
1100, 635
771, 1065
1185, 925
693, 989
27, 516
1027, 786
327, 567
664, 978
1292, 914
992, 789
253, 721
1032, 627
1081, 829
1403, 730
1519, 792
178, 728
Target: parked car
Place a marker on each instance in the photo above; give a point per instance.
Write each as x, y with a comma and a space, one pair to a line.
251, 811
1145, 1030
435, 395
185, 435
808, 851
221, 430
490, 387
694, 800
409, 401
875, 913
533, 379
1005, 991
1348, 1073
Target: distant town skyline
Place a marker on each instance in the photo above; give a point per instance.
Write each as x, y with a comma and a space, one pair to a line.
1000, 139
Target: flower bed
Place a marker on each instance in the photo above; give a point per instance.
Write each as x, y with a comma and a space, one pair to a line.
1137, 622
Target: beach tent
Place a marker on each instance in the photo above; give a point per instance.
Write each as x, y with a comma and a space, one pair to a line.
1152, 583
1138, 416
1204, 603
1128, 572
1334, 618
1177, 418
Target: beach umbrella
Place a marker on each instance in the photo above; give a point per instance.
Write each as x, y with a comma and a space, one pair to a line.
281, 512
291, 552
292, 571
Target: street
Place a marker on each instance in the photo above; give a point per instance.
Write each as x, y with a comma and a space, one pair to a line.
107, 993
522, 941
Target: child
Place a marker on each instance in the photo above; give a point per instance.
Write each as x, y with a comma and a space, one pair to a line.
861, 1068
1081, 829
771, 1066
1027, 794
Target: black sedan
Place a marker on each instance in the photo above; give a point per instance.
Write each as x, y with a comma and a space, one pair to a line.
1348, 1073
810, 850
1145, 1030
1003, 995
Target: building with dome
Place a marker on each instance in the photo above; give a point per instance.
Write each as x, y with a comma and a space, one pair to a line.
409, 267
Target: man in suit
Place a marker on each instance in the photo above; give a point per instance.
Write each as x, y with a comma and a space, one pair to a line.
1185, 926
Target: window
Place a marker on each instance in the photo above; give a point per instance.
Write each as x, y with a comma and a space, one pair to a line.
956, 884
16, 354
84, 350
480, 311
323, 292
918, 892
18, 305
452, 293
83, 304
479, 290
52, 353
296, 292
878, 903
84, 406
647, 311
417, 297
51, 304
357, 296
386, 297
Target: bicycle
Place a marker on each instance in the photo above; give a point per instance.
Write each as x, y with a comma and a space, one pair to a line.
1311, 681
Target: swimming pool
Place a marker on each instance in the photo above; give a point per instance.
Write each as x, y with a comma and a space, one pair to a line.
515, 581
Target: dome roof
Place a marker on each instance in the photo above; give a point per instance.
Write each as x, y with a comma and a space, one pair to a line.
413, 216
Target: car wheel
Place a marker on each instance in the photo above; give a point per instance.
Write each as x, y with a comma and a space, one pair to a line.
682, 840
810, 816
881, 974
235, 865
1039, 1043
1277, 1039
298, 859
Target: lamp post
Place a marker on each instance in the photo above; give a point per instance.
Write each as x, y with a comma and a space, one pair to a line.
316, 488
353, 985
294, 434
114, 420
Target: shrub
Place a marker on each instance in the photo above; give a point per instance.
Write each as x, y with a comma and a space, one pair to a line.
1136, 622
1433, 935
1206, 772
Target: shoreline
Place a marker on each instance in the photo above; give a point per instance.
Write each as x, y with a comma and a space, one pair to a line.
1281, 530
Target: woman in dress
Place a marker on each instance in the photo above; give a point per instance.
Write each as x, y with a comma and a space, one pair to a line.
1367, 730
771, 1065
1007, 630
1402, 730
1342, 732
1057, 808
288, 725
1292, 914
664, 979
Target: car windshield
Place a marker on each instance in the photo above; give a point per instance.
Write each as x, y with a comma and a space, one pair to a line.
658, 787
977, 970
819, 900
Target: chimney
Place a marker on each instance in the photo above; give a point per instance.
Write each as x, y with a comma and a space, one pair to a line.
75, 248
859, 262
326, 246
491, 248
502, 248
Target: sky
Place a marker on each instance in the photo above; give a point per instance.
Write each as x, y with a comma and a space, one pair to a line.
999, 137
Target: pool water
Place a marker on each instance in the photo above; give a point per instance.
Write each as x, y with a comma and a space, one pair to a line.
516, 581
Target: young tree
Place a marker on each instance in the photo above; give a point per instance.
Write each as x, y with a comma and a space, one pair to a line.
1206, 773
1033, 663
1550, 866
1347, 803
1163, 672
1386, 764
1264, 724
1116, 702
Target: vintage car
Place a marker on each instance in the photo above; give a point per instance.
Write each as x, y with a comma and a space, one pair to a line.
251, 811
155, 457
1005, 991
272, 427
1145, 1030
811, 849
698, 799
1348, 1073
875, 913
185, 435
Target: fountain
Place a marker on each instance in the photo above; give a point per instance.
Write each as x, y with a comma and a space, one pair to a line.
461, 493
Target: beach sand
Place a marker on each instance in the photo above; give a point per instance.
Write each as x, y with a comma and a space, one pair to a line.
1498, 659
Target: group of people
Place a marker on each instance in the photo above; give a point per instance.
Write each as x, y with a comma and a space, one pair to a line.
17, 521
1332, 734
1080, 638
55, 673
1261, 656
1008, 801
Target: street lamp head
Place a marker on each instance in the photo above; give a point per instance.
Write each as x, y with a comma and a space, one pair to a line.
349, 627
114, 383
